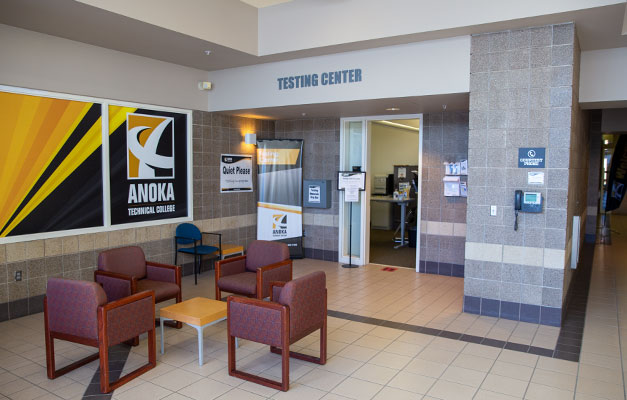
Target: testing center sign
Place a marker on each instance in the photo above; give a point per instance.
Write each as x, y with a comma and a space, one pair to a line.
236, 173
148, 164
280, 177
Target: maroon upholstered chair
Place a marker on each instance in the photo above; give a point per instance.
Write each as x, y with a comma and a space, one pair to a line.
77, 311
250, 275
296, 309
125, 271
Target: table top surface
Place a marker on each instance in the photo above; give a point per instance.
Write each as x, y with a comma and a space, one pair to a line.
198, 311
390, 199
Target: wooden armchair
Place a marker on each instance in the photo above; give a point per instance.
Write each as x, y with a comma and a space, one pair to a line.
296, 309
250, 275
78, 311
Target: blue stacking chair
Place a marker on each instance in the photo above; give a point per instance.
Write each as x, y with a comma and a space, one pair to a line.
188, 234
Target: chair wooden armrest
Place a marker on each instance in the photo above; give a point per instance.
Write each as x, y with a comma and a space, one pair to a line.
272, 271
279, 285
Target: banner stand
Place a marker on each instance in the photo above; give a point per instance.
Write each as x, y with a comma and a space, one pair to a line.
351, 183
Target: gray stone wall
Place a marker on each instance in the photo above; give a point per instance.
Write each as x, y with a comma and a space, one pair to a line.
443, 225
321, 160
521, 95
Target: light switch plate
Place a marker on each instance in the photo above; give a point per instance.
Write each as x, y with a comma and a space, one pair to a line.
493, 211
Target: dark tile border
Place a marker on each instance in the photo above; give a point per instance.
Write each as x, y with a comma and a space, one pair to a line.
438, 268
118, 355
501, 344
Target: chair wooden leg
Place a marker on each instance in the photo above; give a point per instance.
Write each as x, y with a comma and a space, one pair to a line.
323, 343
152, 362
285, 375
104, 366
50, 364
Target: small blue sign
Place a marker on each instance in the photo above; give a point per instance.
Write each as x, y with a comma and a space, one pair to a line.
531, 157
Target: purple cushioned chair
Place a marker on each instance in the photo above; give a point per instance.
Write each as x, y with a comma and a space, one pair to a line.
77, 311
295, 310
250, 275
124, 271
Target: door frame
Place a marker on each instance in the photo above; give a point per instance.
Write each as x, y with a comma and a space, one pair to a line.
364, 242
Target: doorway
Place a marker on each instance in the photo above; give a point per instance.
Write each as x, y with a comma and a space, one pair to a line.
393, 206
358, 150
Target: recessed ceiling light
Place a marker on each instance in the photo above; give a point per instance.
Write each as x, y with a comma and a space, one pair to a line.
304, 114
207, 52
393, 109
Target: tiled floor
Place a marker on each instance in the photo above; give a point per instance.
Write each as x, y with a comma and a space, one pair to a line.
365, 361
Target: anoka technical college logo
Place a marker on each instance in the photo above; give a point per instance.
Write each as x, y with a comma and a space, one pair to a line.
279, 225
150, 146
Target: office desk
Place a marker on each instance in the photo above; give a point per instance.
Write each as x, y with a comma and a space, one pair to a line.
403, 203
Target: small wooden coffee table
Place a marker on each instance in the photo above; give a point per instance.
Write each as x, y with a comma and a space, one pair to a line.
198, 313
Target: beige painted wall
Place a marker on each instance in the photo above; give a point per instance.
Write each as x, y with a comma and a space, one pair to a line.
392, 146
37, 61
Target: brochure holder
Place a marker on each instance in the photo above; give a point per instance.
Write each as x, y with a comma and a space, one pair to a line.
351, 183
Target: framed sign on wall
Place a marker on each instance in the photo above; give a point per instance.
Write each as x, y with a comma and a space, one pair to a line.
75, 164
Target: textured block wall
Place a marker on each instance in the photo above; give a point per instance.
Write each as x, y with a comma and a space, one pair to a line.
521, 95
443, 225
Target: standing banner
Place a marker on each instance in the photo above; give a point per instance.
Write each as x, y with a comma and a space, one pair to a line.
50, 164
236, 173
617, 179
148, 164
280, 177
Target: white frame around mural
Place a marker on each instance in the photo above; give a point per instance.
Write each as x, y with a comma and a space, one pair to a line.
364, 234
106, 227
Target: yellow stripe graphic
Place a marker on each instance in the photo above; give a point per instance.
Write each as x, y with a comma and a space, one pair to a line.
279, 207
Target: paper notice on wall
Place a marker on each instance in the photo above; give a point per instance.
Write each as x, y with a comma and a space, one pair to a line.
314, 194
451, 186
535, 178
351, 195
402, 173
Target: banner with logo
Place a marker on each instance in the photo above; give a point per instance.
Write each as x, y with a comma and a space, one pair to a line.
280, 177
617, 179
148, 164
50, 164
236, 173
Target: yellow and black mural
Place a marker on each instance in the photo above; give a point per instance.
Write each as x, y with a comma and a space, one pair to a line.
50, 164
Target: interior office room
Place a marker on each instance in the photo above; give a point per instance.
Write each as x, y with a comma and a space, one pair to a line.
436, 202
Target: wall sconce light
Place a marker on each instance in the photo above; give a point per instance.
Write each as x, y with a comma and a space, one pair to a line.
250, 138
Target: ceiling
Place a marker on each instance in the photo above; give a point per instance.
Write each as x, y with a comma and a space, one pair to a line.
264, 3
597, 28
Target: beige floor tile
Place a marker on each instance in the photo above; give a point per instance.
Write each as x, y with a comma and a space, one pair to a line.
554, 379
71, 391
556, 365
176, 379
300, 392
375, 373
344, 336
426, 368
390, 360
482, 351
205, 389
209, 366
541, 392
223, 376
451, 391
358, 327
357, 389
505, 385
239, 394
516, 357
321, 379
510, 370
404, 349
386, 333
437, 355
340, 365
599, 388
373, 342
256, 388
390, 393
448, 344
473, 362
601, 361
483, 394
146, 391
412, 382
30, 393
463, 376
600, 374
358, 353
14, 386
416, 338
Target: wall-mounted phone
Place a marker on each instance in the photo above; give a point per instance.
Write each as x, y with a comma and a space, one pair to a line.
529, 202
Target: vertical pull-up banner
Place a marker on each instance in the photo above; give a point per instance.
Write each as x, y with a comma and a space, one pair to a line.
279, 209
